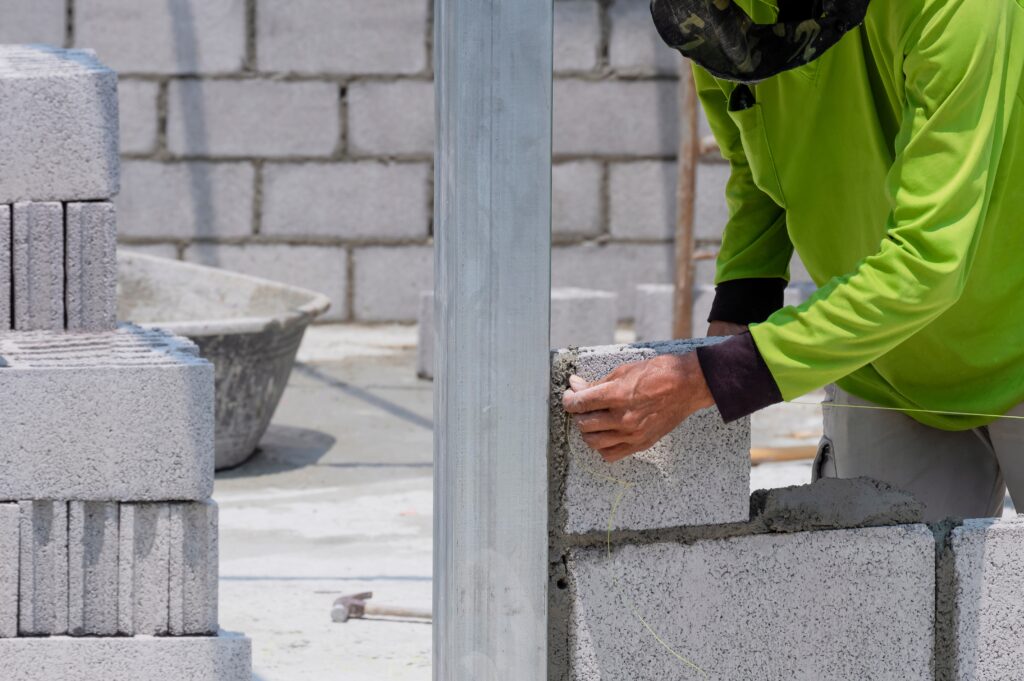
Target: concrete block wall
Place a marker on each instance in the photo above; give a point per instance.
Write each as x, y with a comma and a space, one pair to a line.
294, 140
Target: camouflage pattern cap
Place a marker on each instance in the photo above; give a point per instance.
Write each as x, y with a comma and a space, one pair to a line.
739, 40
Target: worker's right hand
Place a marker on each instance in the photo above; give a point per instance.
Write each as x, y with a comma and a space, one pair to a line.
726, 329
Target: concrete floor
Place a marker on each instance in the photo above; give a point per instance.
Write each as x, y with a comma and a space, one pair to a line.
338, 500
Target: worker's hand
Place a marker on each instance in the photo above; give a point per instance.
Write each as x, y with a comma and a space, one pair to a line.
725, 329
637, 404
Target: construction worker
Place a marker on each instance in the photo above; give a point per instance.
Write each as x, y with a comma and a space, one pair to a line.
884, 141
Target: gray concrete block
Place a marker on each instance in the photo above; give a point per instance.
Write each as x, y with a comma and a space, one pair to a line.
193, 569
711, 212
577, 35
362, 200
6, 277
391, 117
616, 117
614, 267
227, 657
342, 37
137, 101
126, 415
318, 268
699, 474
38, 266
642, 200
90, 295
634, 46
185, 200
425, 336
144, 572
43, 591
48, 97
582, 317
10, 522
981, 602
810, 606
253, 118
655, 311
576, 197
388, 281
92, 568
33, 21
181, 37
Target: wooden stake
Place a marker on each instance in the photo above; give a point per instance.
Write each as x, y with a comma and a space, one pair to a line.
689, 154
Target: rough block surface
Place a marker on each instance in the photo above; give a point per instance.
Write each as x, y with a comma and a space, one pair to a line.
144, 558
49, 96
92, 568
811, 606
391, 117
90, 296
697, 475
38, 264
193, 569
9, 558
832, 503
137, 100
111, 416
43, 591
5, 267
582, 317
227, 657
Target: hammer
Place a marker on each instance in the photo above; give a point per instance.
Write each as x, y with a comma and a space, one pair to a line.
354, 606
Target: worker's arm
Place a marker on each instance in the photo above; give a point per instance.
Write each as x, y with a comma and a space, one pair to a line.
957, 96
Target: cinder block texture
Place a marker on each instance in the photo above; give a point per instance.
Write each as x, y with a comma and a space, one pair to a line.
425, 336
810, 606
342, 36
577, 35
9, 558
582, 317
5, 268
144, 573
138, 111
90, 294
43, 591
576, 197
615, 267
180, 37
643, 199
655, 312
344, 200
193, 569
981, 602
711, 212
253, 118
111, 416
92, 568
697, 475
33, 21
634, 46
388, 281
227, 657
48, 97
391, 117
38, 264
616, 117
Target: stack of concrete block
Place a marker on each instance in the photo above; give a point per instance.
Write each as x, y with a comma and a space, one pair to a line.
578, 317
108, 536
663, 566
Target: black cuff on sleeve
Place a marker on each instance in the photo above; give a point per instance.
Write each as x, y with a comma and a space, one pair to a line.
747, 301
738, 377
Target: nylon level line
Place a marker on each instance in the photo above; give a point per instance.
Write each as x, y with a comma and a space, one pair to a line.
833, 405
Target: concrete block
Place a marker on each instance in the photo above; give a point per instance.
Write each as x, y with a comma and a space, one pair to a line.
711, 212
582, 317
6, 276
43, 591
143, 571
318, 268
391, 117
362, 200
9, 558
576, 198
47, 97
193, 569
697, 475
388, 281
655, 311
158, 250
38, 264
425, 338
642, 200
137, 101
577, 35
616, 117
33, 21
343, 36
181, 37
981, 602
90, 295
186, 200
92, 568
634, 46
253, 118
812, 606
227, 657
125, 415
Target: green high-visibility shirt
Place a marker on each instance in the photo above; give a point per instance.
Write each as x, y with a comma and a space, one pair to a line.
894, 164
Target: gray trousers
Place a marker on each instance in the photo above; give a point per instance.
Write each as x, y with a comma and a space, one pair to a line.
954, 474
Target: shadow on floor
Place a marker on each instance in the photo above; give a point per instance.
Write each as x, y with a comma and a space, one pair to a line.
283, 448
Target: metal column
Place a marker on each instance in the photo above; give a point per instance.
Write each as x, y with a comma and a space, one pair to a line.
492, 296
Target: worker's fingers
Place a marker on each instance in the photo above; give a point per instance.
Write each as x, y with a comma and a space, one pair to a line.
596, 421
606, 439
618, 452
594, 398
577, 383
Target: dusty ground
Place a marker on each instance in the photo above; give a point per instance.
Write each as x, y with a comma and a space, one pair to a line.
339, 500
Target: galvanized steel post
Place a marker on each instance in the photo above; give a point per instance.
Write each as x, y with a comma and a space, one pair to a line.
492, 297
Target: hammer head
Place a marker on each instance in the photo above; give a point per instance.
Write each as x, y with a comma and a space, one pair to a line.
352, 606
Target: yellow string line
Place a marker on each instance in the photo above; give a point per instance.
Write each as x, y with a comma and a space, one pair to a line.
833, 405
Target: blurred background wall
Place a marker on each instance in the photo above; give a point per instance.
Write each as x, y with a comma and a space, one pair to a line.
293, 139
